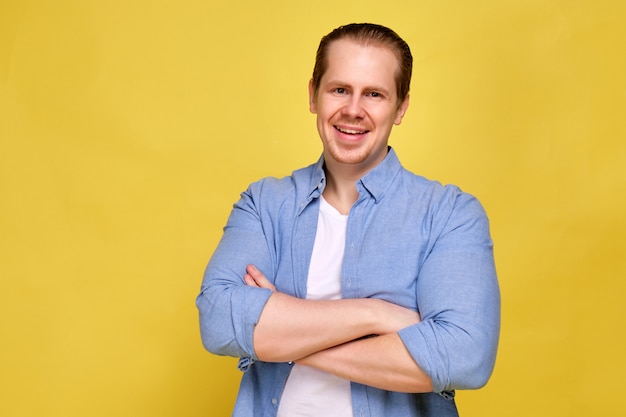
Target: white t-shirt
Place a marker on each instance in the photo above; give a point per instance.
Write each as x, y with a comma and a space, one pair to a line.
311, 392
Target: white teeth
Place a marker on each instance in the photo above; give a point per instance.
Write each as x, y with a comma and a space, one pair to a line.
350, 131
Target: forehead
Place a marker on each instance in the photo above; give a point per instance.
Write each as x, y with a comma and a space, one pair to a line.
362, 63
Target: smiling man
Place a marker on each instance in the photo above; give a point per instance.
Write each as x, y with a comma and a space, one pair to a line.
354, 287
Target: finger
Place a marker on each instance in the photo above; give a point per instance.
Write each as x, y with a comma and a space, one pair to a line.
248, 280
259, 278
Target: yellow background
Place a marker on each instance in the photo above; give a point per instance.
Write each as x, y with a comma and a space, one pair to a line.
128, 129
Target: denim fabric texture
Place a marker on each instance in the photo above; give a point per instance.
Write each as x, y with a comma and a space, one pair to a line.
409, 240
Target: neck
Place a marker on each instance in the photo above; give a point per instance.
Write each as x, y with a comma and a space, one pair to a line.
340, 191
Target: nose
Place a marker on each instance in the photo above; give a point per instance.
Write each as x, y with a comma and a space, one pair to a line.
354, 107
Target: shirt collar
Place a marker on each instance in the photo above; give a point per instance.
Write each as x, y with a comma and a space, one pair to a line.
375, 182
318, 179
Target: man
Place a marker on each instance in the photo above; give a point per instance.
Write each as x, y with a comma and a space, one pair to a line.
354, 287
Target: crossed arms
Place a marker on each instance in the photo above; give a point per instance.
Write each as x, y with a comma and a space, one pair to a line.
333, 340
451, 344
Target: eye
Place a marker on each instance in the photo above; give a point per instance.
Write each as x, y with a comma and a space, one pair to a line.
340, 90
375, 94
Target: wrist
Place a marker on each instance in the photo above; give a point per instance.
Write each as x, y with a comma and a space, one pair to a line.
374, 315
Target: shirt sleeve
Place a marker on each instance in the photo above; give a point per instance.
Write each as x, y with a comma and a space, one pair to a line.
458, 299
228, 308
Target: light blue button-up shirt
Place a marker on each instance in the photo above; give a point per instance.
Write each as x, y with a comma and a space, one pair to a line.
409, 241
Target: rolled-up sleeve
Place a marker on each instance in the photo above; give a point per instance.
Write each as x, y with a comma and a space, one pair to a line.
459, 300
228, 308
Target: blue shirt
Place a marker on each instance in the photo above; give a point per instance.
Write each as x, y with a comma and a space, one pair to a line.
409, 241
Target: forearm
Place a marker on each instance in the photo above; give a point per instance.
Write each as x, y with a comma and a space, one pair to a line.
290, 328
382, 362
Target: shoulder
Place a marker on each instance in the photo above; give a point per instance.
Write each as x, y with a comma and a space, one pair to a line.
275, 191
436, 192
445, 205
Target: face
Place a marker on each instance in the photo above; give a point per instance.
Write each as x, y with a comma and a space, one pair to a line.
356, 104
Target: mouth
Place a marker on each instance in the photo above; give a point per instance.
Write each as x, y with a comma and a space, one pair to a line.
349, 131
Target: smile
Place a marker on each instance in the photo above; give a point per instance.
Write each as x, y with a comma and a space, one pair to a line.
351, 131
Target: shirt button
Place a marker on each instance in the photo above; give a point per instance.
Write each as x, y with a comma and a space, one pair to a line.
274, 401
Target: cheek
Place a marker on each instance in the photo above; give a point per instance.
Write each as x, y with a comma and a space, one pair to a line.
326, 113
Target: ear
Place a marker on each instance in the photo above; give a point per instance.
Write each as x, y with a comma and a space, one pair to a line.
312, 107
401, 110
